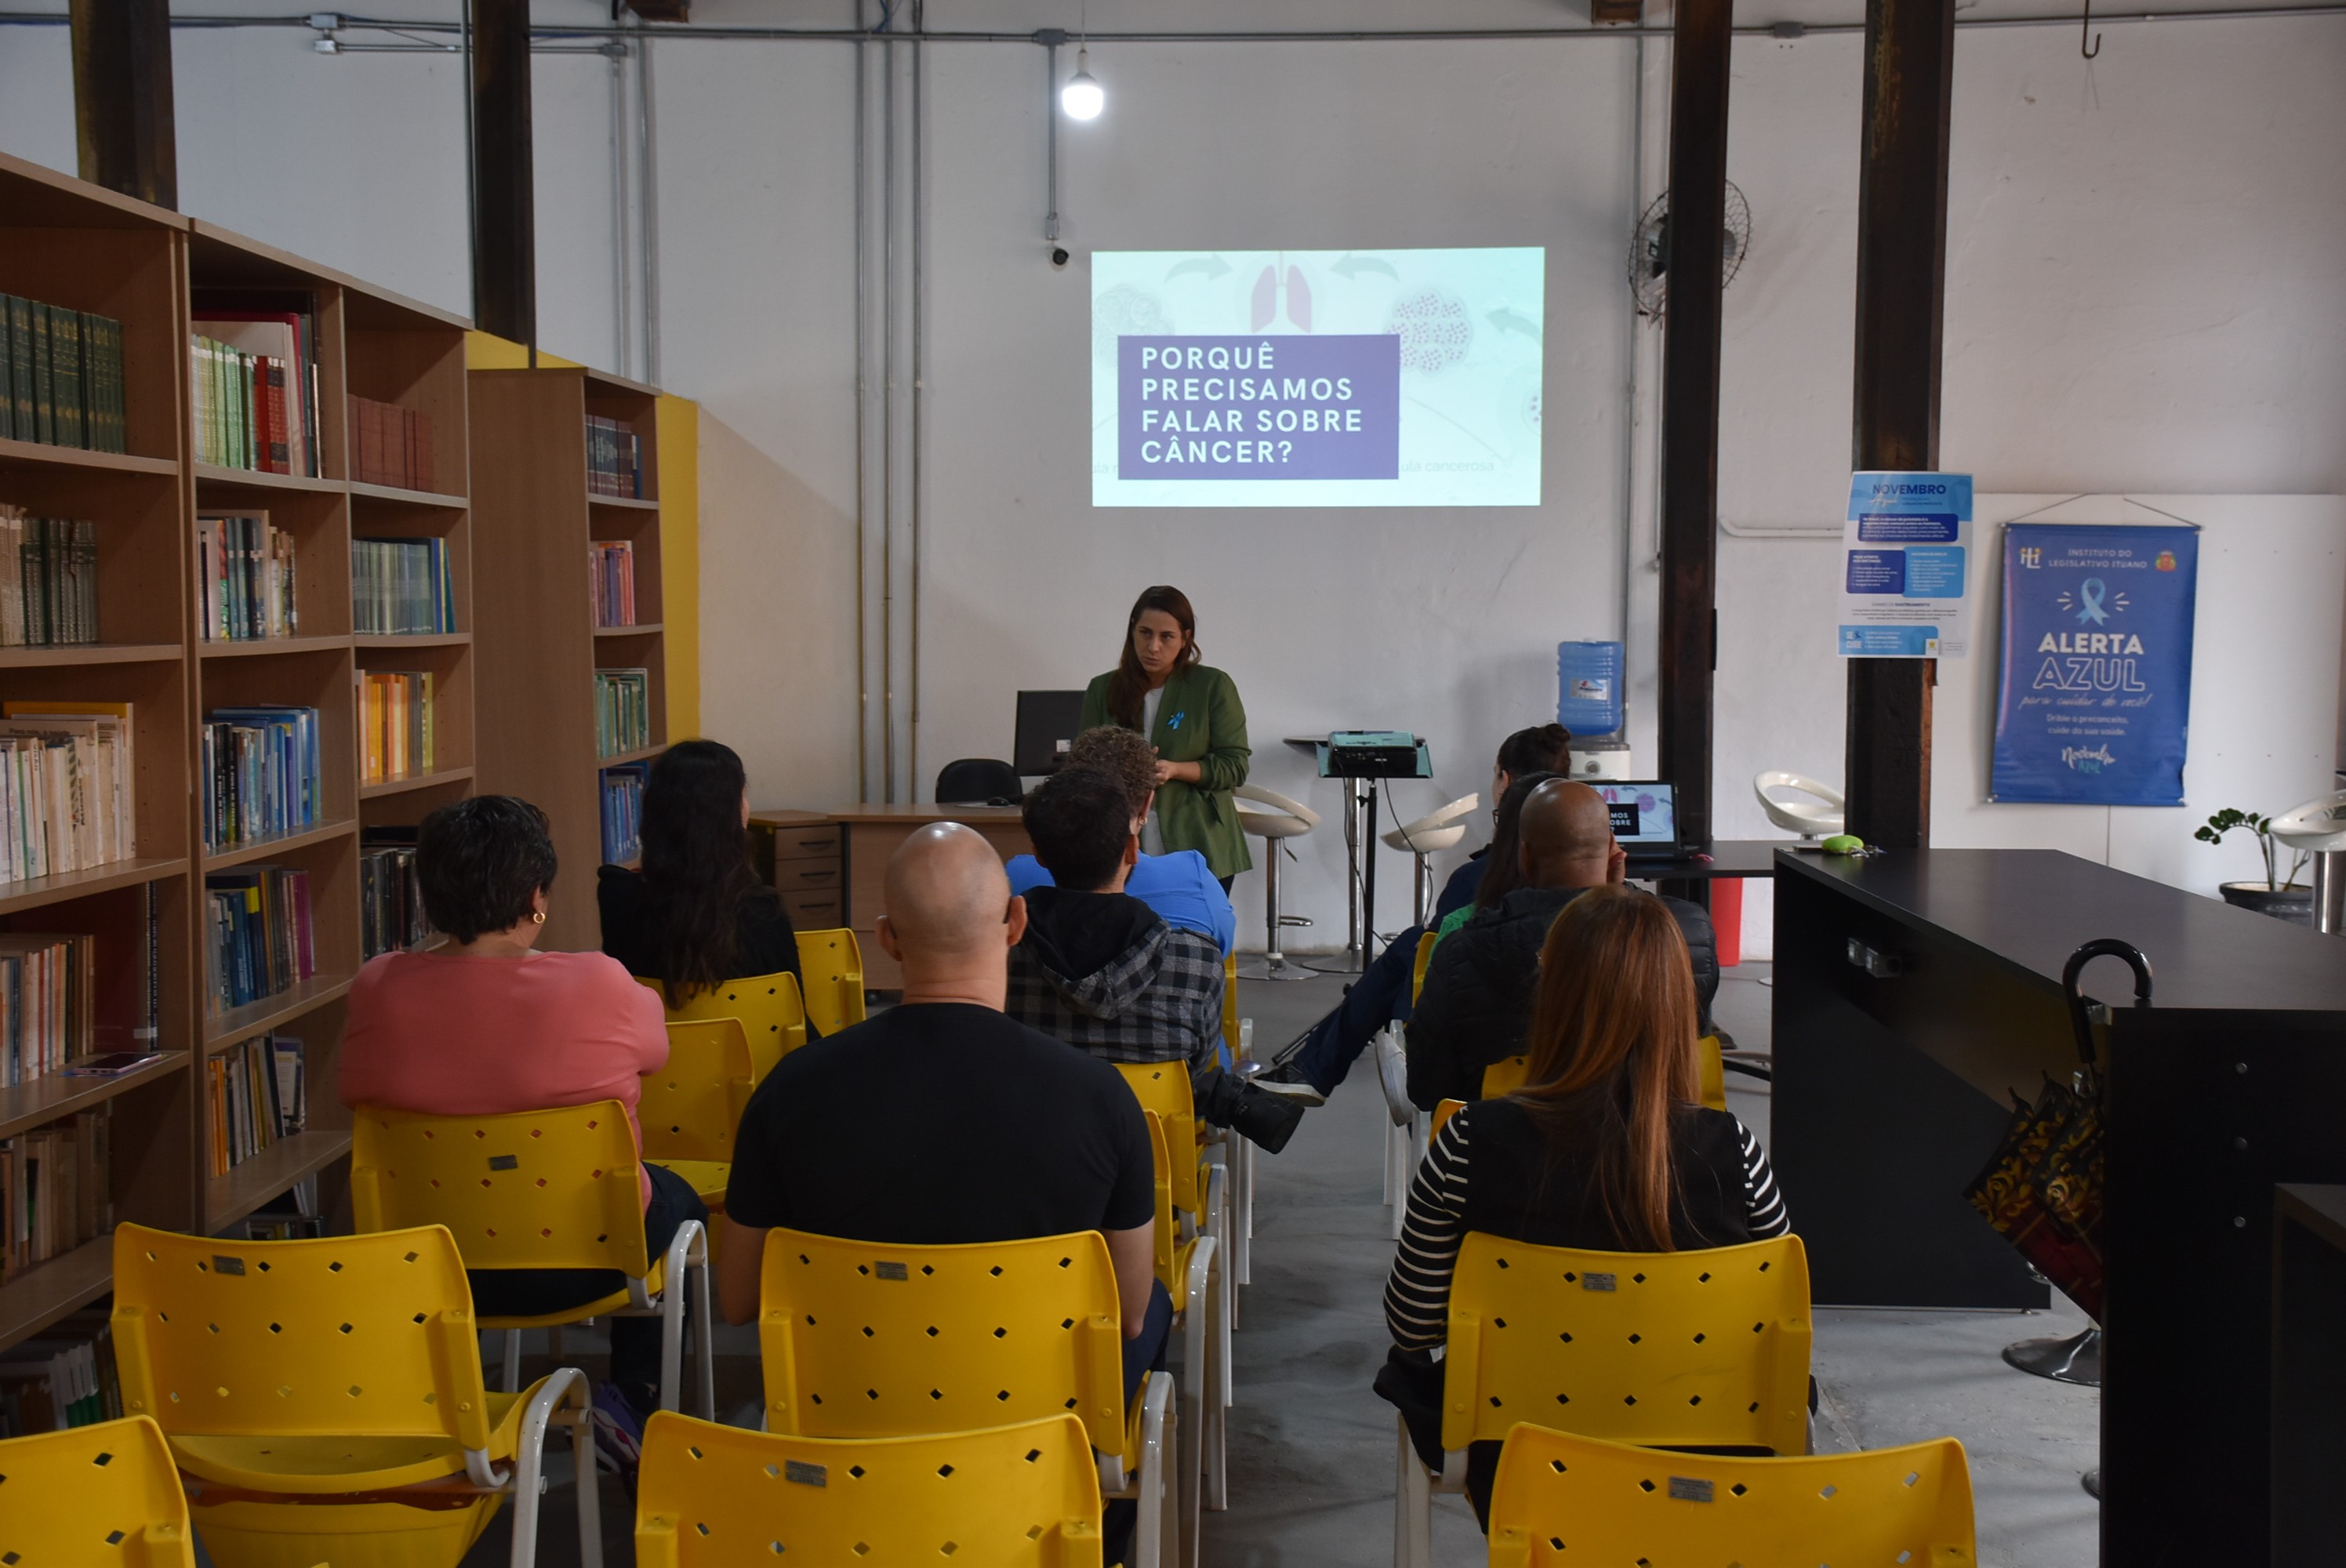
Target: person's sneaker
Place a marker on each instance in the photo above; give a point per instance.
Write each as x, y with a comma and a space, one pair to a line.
618, 1434
1267, 1120
1289, 1083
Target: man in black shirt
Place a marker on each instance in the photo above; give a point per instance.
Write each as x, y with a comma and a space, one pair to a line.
941, 1121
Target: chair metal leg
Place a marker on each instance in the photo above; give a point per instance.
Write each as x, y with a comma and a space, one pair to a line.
582, 1458
513, 1360
1275, 964
1156, 1539
566, 1386
687, 1253
1413, 1504
1200, 1388
1214, 1450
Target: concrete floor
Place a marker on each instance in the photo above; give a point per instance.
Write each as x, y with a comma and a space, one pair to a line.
1311, 1448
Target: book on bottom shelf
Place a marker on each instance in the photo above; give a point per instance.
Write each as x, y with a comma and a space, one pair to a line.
57, 1188
257, 931
623, 811
257, 1093
66, 1378
391, 900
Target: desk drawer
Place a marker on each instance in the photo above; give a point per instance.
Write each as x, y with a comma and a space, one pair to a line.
807, 876
815, 910
807, 843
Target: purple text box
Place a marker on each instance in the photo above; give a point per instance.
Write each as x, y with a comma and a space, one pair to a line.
1288, 407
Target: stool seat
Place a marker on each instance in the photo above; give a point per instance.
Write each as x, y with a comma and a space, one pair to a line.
1435, 831
1824, 813
2317, 826
1268, 814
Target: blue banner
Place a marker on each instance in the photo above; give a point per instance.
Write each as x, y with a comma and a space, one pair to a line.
2094, 702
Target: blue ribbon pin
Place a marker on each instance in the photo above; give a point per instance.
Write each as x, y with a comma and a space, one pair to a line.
1175, 722
2089, 597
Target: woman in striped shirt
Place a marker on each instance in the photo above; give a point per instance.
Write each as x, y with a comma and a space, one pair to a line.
1606, 1148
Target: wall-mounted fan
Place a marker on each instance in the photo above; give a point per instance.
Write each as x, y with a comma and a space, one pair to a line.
1649, 250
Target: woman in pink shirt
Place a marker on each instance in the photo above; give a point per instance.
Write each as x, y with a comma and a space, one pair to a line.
485, 1024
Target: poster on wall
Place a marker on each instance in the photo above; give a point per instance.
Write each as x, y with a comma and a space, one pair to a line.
2094, 700
1317, 378
1906, 551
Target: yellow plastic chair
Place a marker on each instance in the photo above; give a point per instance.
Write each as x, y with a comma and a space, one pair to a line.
768, 1006
1706, 1348
1189, 1264
1505, 1076
1442, 1111
1711, 1071
1238, 1154
307, 1388
1426, 941
833, 962
1231, 1005
692, 1106
1562, 1499
101, 1496
863, 1340
716, 1497
539, 1189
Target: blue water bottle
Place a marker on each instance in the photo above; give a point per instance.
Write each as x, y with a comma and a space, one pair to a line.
1588, 688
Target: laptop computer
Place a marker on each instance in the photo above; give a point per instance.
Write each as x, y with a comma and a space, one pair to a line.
1645, 816
1047, 722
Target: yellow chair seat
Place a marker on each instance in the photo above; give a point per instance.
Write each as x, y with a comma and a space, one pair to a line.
601, 1307
706, 1177
339, 1463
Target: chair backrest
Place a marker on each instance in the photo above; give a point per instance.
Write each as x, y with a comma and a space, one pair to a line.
1505, 1076
865, 1339
101, 1496
691, 1106
1165, 1238
1426, 941
1561, 1499
979, 781
767, 1005
531, 1189
833, 964
1442, 1111
711, 1496
1230, 1040
1706, 1348
1163, 1087
340, 1336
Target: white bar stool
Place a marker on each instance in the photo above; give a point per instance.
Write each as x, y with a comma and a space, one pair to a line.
1822, 814
1430, 834
1274, 818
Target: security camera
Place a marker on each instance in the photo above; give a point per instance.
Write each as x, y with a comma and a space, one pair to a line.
1058, 256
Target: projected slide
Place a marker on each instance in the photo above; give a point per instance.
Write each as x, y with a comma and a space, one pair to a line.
1316, 378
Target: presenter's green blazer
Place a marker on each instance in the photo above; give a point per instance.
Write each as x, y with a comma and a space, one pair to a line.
1200, 719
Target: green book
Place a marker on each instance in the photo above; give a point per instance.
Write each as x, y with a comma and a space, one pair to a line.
44, 412
20, 366
65, 375
101, 359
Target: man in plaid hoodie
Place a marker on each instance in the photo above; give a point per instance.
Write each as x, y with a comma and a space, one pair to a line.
1099, 970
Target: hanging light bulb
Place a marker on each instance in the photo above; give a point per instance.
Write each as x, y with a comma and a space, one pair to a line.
1083, 97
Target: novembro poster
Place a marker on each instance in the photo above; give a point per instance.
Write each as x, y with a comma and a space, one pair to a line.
2094, 700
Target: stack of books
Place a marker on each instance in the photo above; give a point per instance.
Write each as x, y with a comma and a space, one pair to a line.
390, 444
68, 786
57, 1188
61, 371
623, 711
614, 459
391, 900
260, 775
623, 813
254, 383
245, 576
400, 587
48, 580
256, 935
396, 711
613, 579
66, 1378
257, 1090
48, 1000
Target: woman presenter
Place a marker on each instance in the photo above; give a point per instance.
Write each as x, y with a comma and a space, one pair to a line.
1192, 714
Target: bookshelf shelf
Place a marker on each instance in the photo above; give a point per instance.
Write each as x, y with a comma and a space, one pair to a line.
257, 647
209, 475
373, 644
414, 781
622, 503
45, 1292
228, 1198
88, 653
642, 629
278, 844
34, 892
47, 1098
397, 496
34, 454
641, 753
275, 1012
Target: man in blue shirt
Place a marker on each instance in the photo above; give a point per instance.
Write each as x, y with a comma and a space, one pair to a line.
1178, 887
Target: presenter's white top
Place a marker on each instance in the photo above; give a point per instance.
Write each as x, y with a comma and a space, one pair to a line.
1152, 837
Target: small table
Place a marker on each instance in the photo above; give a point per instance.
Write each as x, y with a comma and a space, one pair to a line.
2309, 1372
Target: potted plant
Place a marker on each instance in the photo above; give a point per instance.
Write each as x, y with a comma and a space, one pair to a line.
2283, 898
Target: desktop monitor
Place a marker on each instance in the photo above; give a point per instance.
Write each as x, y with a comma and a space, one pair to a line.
1047, 722
1645, 816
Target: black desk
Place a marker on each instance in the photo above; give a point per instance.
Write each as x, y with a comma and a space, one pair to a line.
1890, 1095
2309, 1374
1728, 858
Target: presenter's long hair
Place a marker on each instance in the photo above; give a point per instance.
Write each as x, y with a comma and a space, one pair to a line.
1127, 688
1612, 1048
697, 876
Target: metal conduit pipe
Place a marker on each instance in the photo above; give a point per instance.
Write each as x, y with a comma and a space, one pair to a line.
912, 564
888, 417
647, 152
862, 457
622, 329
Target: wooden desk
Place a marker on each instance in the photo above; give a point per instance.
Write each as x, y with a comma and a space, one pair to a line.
865, 836
1890, 1095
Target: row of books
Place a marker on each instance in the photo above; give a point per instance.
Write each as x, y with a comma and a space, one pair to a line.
254, 383
260, 773
68, 786
256, 935
257, 1093
612, 576
623, 813
615, 458
49, 580
66, 1378
390, 444
61, 371
401, 587
391, 900
396, 714
623, 711
245, 576
47, 1005
57, 1188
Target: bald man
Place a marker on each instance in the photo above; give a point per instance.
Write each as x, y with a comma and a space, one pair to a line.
941, 1121
1478, 1001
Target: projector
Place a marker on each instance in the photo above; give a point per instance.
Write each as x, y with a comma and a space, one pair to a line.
1373, 754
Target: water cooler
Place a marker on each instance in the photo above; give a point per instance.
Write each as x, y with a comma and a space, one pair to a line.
1589, 702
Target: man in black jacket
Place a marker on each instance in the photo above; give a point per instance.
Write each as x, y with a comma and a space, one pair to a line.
1477, 1004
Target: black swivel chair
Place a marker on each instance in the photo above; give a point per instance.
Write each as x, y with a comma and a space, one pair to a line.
978, 782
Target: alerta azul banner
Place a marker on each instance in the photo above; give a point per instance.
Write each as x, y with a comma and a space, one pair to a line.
2094, 701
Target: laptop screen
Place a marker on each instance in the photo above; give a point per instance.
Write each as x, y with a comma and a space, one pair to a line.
1645, 815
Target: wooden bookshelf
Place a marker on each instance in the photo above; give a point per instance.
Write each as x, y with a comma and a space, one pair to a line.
539, 647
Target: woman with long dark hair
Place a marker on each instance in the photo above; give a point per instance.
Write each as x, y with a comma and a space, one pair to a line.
1192, 715
1607, 1147
697, 914
1502, 868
